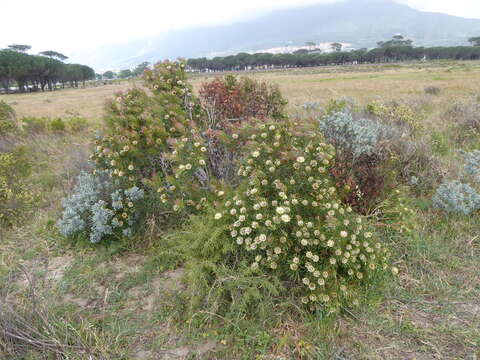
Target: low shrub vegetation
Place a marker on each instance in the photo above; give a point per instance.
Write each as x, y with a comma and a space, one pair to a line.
229, 99
461, 195
7, 118
16, 197
279, 210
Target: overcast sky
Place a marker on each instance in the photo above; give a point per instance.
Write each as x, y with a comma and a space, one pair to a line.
67, 26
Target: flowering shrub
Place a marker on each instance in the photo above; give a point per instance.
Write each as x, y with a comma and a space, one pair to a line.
16, 198
99, 209
231, 99
160, 142
166, 142
7, 118
144, 130
288, 217
141, 128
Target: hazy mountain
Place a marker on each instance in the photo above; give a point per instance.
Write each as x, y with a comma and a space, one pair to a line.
359, 22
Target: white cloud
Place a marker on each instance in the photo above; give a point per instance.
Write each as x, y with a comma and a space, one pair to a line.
464, 8
68, 26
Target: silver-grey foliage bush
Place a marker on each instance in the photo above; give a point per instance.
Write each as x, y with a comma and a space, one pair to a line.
358, 137
458, 197
472, 164
96, 206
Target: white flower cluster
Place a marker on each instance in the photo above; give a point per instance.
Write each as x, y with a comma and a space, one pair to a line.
290, 219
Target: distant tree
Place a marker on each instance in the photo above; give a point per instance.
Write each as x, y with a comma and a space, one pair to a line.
19, 47
54, 55
397, 40
311, 45
138, 71
301, 51
98, 76
125, 74
336, 46
87, 73
109, 75
35, 72
475, 41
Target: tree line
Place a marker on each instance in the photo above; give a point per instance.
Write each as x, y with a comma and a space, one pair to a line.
124, 73
394, 50
38, 72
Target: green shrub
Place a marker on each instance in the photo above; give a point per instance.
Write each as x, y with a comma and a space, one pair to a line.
340, 105
439, 143
151, 143
7, 118
16, 197
57, 125
218, 277
398, 115
32, 124
76, 123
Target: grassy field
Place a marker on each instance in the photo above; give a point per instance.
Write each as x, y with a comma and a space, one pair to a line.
126, 303
363, 82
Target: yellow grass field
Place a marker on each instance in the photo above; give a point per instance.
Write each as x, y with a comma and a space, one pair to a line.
362, 82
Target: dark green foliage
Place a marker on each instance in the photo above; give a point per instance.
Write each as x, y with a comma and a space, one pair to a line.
139, 70
53, 54
388, 52
16, 197
125, 74
7, 118
218, 277
109, 75
33, 72
475, 41
432, 90
57, 124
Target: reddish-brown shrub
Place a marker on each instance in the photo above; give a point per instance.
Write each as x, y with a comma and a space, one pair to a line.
229, 100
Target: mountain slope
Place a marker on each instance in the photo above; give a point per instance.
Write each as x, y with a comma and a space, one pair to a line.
359, 22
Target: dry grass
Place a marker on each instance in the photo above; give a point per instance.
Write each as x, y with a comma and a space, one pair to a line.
363, 82
371, 82
87, 102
